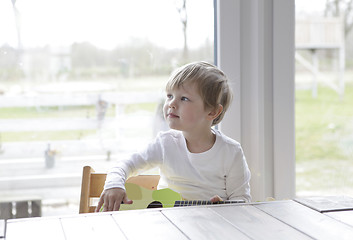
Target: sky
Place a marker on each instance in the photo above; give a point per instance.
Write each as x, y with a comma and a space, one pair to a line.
104, 23
108, 23
312, 7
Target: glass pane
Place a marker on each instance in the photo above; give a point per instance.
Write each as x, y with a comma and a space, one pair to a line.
81, 83
324, 98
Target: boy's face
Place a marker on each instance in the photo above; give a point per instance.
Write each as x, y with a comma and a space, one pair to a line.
184, 109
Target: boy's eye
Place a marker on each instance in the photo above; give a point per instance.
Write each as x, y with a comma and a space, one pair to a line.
184, 99
169, 96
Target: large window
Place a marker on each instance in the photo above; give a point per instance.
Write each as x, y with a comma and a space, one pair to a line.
81, 83
258, 49
324, 98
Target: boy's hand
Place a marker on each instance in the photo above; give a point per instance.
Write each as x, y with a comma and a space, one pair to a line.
216, 198
111, 199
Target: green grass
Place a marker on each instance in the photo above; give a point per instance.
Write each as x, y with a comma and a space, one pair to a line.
324, 177
131, 108
60, 112
323, 124
69, 112
324, 142
52, 112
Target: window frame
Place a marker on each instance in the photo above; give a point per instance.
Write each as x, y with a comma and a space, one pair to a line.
255, 48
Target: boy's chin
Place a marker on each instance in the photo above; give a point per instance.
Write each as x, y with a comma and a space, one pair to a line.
175, 128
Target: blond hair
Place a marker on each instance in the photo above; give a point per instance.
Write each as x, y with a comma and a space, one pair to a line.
211, 83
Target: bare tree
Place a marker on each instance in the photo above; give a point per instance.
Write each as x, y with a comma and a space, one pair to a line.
181, 8
18, 24
341, 8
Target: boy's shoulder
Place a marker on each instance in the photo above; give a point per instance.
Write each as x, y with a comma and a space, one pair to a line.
227, 140
170, 134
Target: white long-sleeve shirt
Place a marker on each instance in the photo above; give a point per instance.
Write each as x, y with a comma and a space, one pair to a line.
222, 170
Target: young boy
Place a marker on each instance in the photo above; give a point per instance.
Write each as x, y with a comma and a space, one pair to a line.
194, 159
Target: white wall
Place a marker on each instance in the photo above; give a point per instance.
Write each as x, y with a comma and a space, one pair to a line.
256, 51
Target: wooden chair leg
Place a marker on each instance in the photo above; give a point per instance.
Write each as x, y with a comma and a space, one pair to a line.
86, 179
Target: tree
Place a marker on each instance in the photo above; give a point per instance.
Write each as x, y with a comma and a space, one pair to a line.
181, 8
341, 8
18, 24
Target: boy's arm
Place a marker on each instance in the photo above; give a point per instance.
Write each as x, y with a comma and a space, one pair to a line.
146, 159
238, 179
116, 177
114, 188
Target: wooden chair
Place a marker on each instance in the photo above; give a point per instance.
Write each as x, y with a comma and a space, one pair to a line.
93, 185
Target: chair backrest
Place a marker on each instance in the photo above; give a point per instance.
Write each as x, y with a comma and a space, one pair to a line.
93, 185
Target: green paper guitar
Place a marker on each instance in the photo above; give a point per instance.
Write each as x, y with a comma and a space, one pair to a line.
163, 198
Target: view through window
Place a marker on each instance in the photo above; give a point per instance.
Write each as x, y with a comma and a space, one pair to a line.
324, 98
81, 83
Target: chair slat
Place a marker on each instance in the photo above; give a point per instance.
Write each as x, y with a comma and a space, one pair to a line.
97, 184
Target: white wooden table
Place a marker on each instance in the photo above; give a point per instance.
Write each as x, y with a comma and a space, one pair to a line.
314, 218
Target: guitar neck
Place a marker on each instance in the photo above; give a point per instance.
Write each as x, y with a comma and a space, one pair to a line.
184, 203
204, 202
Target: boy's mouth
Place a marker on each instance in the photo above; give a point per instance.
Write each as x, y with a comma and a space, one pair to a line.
172, 115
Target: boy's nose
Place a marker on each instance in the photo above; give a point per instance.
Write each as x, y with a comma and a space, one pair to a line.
172, 104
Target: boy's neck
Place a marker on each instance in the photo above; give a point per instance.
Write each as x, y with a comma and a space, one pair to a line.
198, 143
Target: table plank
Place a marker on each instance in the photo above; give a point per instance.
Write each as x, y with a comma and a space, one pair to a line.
77, 228
343, 216
258, 224
308, 221
327, 204
146, 224
202, 223
91, 226
34, 228
2, 228
105, 227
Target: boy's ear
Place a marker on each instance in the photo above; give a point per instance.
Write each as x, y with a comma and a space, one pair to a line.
215, 112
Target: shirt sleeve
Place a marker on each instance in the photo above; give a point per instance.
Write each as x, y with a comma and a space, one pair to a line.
238, 178
141, 161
